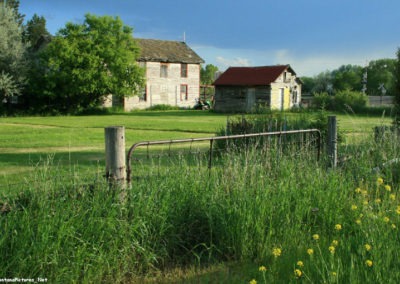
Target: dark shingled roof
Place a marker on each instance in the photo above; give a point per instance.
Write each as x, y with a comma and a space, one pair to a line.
167, 51
251, 76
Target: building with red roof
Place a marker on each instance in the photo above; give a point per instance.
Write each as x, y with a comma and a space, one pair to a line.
244, 89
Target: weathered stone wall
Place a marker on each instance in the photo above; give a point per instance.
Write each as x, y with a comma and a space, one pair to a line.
167, 90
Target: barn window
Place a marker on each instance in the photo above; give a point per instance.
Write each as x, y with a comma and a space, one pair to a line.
184, 92
184, 70
164, 70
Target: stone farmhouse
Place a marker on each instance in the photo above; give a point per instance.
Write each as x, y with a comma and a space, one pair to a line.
242, 89
172, 71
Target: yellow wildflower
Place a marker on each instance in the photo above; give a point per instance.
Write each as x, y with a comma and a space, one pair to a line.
393, 226
338, 227
300, 263
358, 190
392, 196
332, 249
369, 263
386, 219
262, 268
333, 273
388, 188
378, 201
354, 207
310, 251
298, 273
398, 210
379, 181
253, 281
358, 222
367, 247
364, 192
335, 243
276, 252
316, 236
365, 202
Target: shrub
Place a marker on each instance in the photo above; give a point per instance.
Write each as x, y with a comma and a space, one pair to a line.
341, 101
355, 100
163, 107
323, 101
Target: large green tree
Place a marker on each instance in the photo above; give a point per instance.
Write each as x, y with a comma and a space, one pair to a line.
13, 60
85, 62
381, 73
347, 77
35, 32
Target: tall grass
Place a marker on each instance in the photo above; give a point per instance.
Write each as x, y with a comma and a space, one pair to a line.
250, 206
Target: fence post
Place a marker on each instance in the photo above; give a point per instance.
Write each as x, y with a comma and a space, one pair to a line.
115, 157
332, 141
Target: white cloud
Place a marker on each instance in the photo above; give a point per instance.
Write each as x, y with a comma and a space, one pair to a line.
227, 62
305, 64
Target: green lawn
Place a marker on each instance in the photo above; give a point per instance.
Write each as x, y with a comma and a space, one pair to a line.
78, 141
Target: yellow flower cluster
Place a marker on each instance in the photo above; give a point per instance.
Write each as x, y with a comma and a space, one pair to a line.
276, 252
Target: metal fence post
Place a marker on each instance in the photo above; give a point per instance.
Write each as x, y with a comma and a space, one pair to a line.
332, 141
115, 156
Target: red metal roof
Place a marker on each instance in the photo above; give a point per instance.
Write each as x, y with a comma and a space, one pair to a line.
251, 76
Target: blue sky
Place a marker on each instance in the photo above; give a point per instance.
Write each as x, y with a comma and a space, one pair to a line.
311, 35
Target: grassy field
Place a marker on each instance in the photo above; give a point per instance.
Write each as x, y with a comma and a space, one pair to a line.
78, 141
185, 224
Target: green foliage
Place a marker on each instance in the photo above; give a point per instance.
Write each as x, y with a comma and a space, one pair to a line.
85, 62
350, 99
13, 60
323, 101
163, 107
35, 31
381, 71
345, 100
13, 5
347, 77
207, 74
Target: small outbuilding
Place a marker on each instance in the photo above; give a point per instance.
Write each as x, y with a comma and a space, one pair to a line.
243, 89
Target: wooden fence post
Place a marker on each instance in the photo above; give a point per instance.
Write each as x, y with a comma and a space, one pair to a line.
332, 141
115, 156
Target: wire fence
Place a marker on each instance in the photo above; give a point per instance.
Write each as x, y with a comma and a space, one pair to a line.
211, 147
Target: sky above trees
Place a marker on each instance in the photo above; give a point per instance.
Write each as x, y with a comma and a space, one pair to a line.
311, 35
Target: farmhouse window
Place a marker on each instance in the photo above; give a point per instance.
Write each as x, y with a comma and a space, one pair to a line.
184, 70
164, 70
142, 95
184, 92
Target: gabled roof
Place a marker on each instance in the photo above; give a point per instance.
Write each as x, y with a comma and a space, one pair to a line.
251, 76
167, 51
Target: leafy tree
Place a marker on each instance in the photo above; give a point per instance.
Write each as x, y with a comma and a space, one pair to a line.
85, 62
207, 74
347, 77
14, 6
381, 72
323, 82
35, 30
308, 85
13, 61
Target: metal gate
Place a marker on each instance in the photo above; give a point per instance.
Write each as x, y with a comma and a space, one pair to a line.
212, 139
